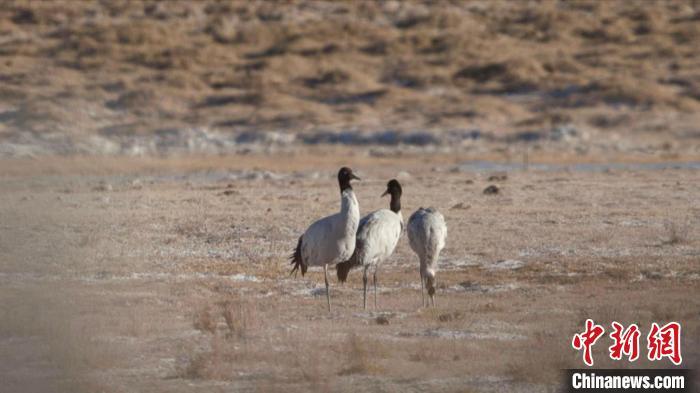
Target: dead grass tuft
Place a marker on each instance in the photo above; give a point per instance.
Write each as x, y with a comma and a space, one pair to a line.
552, 359
451, 316
618, 273
675, 233
242, 318
426, 353
210, 364
361, 356
204, 321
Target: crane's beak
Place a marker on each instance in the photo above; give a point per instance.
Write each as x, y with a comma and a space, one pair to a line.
353, 176
385, 192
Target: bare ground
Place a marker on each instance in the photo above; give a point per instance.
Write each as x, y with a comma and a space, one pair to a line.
171, 275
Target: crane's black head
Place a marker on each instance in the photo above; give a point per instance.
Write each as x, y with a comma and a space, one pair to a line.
393, 188
344, 176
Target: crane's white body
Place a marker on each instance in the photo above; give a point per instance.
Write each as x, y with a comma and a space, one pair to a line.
427, 233
377, 236
331, 239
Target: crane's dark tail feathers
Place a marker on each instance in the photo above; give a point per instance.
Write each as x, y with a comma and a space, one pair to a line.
343, 268
296, 260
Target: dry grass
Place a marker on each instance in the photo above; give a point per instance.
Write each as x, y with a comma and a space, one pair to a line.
362, 356
172, 286
204, 321
550, 362
140, 68
241, 318
212, 364
232, 327
676, 233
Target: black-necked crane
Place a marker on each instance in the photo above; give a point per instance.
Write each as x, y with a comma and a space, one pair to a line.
330, 240
427, 232
377, 236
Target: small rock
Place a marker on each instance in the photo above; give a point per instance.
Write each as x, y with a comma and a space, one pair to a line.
381, 320
469, 181
491, 190
651, 275
103, 186
229, 192
445, 317
461, 205
564, 132
467, 284
498, 177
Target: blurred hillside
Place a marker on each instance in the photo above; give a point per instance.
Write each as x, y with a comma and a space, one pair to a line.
96, 76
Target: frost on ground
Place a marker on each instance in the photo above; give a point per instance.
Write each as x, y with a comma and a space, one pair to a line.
173, 275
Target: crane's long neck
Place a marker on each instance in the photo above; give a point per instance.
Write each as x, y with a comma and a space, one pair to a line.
395, 204
350, 209
348, 202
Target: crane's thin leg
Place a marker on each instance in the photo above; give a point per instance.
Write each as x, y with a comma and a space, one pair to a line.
422, 289
328, 290
364, 287
434, 292
375, 286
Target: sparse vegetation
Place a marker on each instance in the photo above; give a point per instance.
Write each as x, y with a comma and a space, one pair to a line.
204, 321
206, 365
169, 271
676, 233
361, 356
185, 284
136, 69
241, 318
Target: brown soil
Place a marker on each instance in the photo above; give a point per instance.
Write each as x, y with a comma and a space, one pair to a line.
613, 69
172, 276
